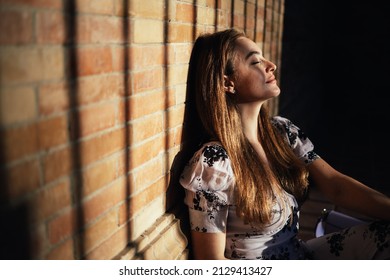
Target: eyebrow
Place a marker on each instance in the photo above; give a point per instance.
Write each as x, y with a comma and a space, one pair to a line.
251, 53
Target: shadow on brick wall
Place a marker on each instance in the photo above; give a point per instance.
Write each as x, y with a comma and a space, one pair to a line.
73, 95
15, 240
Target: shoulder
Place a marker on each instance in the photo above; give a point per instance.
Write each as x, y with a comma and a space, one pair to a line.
213, 153
289, 129
283, 124
210, 154
209, 169
296, 138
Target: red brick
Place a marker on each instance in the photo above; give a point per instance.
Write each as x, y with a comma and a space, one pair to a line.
19, 142
53, 132
99, 29
58, 164
174, 137
146, 56
180, 94
98, 232
141, 105
93, 119
177, 74
146, 175
21, 64
146, 104
94, 60
214, 3
38, 242
250, 16
110, 247
105, 7
185, 13
16, 27
239, 21
206, 16
121, 59
148, 80
50, 200
103, 201
146, 127
182, 53
155, 32
99, 88
101, 146
99, 175
54, 4
123, 160
51, 27
223, 19
17, 105
139, 201
179, 33
23, 178
63, 226
147, 151
64, 251
154, 9
119, 6
54, 98
175, 116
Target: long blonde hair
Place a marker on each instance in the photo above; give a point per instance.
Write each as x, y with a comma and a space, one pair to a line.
213, 114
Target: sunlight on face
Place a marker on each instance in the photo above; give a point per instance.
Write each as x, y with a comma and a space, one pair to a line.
254, 77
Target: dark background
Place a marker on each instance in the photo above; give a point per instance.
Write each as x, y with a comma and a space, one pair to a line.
335, 80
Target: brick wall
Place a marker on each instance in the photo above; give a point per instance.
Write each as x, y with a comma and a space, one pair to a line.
92, 99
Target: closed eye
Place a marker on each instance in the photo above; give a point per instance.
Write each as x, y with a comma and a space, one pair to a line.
255, 62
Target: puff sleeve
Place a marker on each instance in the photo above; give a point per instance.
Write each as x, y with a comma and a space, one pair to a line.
208, 181
299, 142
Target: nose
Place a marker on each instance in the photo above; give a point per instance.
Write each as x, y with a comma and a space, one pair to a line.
271, 67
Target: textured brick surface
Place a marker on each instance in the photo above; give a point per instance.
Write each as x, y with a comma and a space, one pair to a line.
92, 100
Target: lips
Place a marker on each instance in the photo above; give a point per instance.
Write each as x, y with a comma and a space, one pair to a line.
271, 80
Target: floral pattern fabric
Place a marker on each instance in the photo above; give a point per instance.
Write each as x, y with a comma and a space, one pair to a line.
208, 180
365, 241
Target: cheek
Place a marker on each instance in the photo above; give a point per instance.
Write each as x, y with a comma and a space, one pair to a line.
249, 78
254, 80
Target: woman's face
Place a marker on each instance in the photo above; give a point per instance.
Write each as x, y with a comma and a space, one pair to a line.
254, 78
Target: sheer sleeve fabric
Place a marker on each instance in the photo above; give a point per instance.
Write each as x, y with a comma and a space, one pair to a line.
208, 182
299, 142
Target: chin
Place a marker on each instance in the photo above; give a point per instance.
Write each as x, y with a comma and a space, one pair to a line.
275, 93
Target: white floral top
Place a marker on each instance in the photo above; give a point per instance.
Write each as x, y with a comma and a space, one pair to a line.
209, 181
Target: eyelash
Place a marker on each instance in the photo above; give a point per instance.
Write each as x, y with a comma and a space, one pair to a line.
256, 62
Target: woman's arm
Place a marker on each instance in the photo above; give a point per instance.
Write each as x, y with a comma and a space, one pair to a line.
347, 192
208, 246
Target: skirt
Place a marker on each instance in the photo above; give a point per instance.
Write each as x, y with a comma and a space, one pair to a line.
364, 242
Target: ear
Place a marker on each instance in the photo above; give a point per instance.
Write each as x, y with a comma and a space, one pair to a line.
228, 85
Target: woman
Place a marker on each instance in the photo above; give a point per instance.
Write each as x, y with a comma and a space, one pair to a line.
249, 172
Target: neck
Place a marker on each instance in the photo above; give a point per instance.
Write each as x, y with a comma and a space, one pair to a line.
250, 118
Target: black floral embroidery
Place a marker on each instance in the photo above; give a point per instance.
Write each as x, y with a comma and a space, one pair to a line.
291, 222
196, 202
301, 134
310, 156
293, 134
287, 128
380, 232
283, 254
294, 251
200, 229
213, 154
213, 202
336, 241
234, 253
